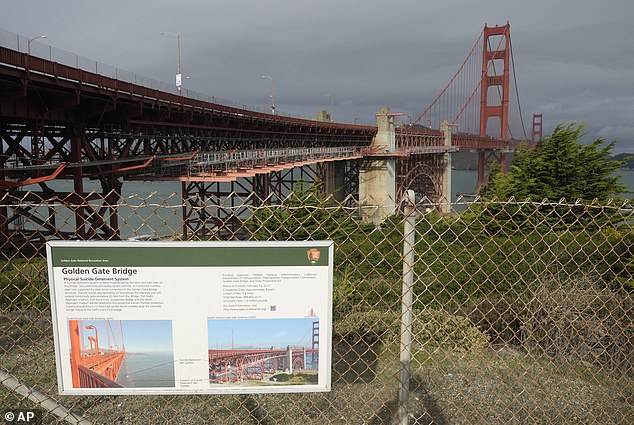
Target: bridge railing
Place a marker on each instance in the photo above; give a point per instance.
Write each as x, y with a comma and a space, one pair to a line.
209, 162
38, 48
90, 379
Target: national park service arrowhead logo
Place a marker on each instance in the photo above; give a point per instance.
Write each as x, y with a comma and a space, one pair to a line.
313, 255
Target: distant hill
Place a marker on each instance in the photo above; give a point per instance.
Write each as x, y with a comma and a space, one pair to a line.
622, 156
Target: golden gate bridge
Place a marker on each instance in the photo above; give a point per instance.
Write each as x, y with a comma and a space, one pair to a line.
76, 119
98, 365
257, 364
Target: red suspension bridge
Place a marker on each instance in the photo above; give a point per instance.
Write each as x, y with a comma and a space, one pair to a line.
75, 119
258, 364
96, 366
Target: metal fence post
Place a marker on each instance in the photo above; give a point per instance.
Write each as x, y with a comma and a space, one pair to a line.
409, 239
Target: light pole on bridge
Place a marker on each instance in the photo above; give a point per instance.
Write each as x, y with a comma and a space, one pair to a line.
32, 40
231, 329
178, 46
96, 339
332, 106
272, 92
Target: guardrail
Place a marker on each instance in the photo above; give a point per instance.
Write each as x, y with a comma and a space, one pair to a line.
60, 61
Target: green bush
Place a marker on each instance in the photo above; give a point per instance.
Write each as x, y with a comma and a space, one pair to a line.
370, 326
560, 166
24, 284
441, 330
304, 215
476, 264
495, 249
355, 294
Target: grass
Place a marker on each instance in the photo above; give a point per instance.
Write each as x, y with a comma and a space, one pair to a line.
498, 384
502, 385
24, 284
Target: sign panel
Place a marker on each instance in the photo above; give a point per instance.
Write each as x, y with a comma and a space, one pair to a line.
183, 317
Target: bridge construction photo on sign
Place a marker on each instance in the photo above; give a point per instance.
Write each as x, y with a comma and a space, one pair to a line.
264, 352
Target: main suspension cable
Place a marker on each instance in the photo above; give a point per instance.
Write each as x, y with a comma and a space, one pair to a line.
449, 83
517, 92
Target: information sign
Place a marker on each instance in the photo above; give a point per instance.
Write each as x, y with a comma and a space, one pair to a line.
191, 317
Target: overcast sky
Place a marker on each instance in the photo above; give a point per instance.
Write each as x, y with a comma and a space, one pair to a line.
574, 58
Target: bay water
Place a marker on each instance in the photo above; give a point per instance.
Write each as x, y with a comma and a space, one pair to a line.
154, 209
151, 369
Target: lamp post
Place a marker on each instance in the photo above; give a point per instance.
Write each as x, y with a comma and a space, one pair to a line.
272, 93
231, 329
96, 339
178, 45
332, 106
33, 39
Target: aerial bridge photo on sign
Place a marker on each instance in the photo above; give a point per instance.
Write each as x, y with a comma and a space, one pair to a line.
121, 353
264, 351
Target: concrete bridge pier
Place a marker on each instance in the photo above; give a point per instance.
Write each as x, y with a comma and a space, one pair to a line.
377, 177
333, 175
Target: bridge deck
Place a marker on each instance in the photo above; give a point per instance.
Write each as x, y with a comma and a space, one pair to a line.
82, 123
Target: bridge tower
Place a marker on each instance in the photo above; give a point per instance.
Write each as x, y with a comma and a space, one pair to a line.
491, 79
314, 353
536, 134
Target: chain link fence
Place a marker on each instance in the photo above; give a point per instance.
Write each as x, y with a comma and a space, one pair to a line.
521, 312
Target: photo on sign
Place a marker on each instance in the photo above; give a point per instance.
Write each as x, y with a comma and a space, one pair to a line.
121, 353
263, 352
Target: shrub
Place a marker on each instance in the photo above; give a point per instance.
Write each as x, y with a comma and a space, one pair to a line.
560, 166
438, 329
23, 284
581, 320
501, 318
355, 294
369, 326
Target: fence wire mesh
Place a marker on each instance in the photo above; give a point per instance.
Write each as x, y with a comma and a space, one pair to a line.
523, 312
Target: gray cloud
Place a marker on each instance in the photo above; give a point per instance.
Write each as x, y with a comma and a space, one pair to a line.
574, 58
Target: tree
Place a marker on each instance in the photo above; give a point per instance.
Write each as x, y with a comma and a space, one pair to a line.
560, 167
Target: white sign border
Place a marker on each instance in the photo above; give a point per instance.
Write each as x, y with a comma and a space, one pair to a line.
325, 331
